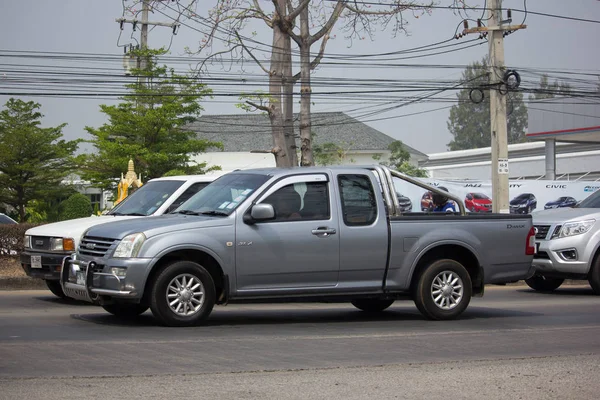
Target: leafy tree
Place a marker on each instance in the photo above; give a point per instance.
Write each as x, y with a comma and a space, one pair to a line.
33, 160
76, 206
400, 161
469, 122
149, 126
548, 90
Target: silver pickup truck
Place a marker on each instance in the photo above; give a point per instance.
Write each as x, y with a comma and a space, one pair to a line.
306, 234
568, 241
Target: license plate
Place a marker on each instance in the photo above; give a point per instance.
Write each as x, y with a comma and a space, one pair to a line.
80, 278
36, 261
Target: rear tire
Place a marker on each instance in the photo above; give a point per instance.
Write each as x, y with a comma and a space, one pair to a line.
543, 284
56, 288
372, 305
183, 294
594, 277
443, 290
125, 310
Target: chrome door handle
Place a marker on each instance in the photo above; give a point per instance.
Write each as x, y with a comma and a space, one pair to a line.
323, 231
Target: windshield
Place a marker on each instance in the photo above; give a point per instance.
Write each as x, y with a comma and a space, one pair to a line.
6, 220
592, 201
147, 199
224, 195
523, 196
480, 196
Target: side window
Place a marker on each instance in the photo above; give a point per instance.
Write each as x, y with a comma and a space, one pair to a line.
304, 201
185, 196
359, 206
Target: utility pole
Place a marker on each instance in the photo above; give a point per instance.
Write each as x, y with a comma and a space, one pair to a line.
499, 136
146, 7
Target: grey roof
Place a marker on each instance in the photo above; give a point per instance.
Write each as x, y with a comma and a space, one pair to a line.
247, 132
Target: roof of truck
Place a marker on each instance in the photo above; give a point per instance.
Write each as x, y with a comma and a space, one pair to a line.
274, 171
196, 178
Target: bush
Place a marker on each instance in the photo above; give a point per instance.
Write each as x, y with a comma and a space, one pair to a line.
11, 238
76, 206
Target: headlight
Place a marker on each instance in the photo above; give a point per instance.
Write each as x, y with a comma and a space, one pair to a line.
576, 228
27, 242
130, 246
62, 244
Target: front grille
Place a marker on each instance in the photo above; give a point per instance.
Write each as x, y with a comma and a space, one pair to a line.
542, 231
95, 246
40, 242
542, 254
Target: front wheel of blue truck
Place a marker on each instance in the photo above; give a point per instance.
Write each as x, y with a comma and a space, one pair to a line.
443, 290
183, 294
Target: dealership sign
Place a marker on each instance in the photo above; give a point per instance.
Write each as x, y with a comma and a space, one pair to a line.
525, 196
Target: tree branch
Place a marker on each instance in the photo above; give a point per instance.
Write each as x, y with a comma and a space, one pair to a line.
295, 12
337, 11
250, 53
317, 60
262, 15
258, 106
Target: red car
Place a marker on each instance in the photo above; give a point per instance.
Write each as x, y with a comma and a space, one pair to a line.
478, 202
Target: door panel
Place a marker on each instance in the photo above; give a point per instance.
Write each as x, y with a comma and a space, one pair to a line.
299, 249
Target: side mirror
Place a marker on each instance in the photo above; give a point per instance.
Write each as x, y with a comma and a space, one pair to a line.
260, 212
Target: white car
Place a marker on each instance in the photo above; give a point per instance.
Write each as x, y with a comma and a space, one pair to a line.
568, 245
47, 245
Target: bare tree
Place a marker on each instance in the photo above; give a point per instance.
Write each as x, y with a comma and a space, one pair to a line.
225, 24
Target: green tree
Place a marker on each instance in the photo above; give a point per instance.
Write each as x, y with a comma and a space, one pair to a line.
76, 206
548, 90
400, 160
149, 126
33, 160
469, 122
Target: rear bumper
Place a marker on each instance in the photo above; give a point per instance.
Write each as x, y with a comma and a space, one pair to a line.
51, 265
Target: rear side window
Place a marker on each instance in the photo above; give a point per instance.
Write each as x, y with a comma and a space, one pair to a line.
359, 206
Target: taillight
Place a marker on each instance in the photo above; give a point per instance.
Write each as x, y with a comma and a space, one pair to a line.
530, 244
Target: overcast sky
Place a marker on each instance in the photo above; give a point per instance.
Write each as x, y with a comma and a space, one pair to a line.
88, 26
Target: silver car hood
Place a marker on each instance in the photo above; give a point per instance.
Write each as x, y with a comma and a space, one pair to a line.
158, 225
562, 215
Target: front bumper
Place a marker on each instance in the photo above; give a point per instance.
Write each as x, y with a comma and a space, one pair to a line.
549, 258
49, 269
87, 280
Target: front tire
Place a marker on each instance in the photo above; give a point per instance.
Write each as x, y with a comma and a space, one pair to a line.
125, 310
443, 290
372, 305
594, 278
540, 283
56, 288
183, 294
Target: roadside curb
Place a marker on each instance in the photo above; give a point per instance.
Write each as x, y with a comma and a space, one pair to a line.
28, 283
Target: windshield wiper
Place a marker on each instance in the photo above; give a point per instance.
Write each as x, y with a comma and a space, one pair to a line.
186, 212
130, 214
214, 212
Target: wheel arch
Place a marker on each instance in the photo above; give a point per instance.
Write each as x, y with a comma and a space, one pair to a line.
200, 256
459, 252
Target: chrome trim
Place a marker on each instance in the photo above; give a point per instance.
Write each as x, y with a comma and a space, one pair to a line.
109, 292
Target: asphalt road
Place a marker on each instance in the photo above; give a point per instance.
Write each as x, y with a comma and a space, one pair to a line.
512, 343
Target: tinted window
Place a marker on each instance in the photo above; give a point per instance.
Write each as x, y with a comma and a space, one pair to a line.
189, 192
300, 201
359, 206
225, 194
592, 201
6, 220
480, 196
147, 199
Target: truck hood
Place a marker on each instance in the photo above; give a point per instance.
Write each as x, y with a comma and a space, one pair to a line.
152, 226
561, 215
73, 228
